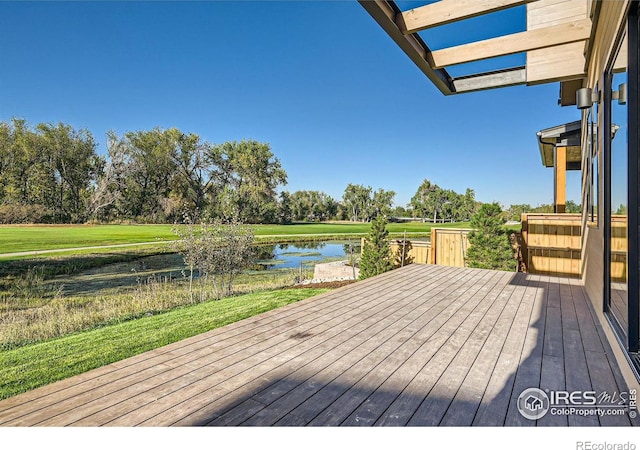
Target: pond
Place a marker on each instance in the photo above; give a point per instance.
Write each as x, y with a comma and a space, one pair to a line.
305, 254
273, 261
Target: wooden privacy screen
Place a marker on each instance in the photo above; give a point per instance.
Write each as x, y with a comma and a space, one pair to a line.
551, 243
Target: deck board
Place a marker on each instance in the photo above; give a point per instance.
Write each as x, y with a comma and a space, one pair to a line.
422, 345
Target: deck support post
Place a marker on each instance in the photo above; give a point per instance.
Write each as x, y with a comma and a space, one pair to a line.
560, 180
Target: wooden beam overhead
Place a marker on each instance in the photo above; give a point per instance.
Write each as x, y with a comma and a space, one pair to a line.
514, 43
503, 78
385, 12
448, 11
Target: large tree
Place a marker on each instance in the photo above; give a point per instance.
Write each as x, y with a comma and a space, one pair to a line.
48, 166
150, 175
248, 175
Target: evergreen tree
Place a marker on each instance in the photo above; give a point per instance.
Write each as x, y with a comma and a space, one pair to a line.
489, 247
375, 252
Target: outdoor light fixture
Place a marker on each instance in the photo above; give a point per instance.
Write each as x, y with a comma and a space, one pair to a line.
585, 98
620, 94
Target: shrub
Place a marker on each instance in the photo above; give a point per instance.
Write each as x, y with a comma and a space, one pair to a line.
219, 251
15, 213
375, 252
490, 246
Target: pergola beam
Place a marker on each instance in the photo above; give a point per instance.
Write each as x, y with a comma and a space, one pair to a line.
385, 13
448, 11
565, 33
479, 82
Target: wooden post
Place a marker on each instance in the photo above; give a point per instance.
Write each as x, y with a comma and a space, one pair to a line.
433, 245
524, 219
404, 243
560, 179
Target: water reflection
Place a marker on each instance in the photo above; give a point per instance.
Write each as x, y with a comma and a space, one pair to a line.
306, 254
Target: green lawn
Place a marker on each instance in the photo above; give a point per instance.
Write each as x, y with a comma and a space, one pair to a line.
31, 366
41, 237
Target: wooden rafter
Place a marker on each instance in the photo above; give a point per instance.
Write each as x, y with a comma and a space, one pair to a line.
482, 81
385, 12
448, 11
565, 33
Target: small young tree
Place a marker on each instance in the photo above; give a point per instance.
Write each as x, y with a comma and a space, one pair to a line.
219, 251
376, 258
490, 247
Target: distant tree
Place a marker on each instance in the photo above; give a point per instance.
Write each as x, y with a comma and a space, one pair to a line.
469, 205
150, 176
424, 199
195, 175
622, 210
49, 167
400, 211
285, 215
489, 243
249, 175
573, 207
381, 202
376, 258
515, 211
357, 198
544, 208
110, 183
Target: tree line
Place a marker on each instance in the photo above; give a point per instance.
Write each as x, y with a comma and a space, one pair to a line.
52, 173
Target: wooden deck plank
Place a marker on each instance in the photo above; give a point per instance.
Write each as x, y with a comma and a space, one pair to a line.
349, 373
530, 359
185, 401
434, 407
577, 374
552, 377
586, 322
370, 410
286, 377
323, 398
442, 343
467, 400
494, 406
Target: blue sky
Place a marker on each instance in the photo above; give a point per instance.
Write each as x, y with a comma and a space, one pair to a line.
321, 82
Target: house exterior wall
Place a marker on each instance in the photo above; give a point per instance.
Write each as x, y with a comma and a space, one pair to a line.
609, 27
610, 21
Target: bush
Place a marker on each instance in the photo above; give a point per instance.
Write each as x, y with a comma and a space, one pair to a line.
375, 252
15, 213
490, 245
218, 251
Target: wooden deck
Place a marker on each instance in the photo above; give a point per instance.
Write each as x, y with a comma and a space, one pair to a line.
422, 345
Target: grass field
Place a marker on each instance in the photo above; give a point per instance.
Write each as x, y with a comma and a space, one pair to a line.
31, 366
22, 238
